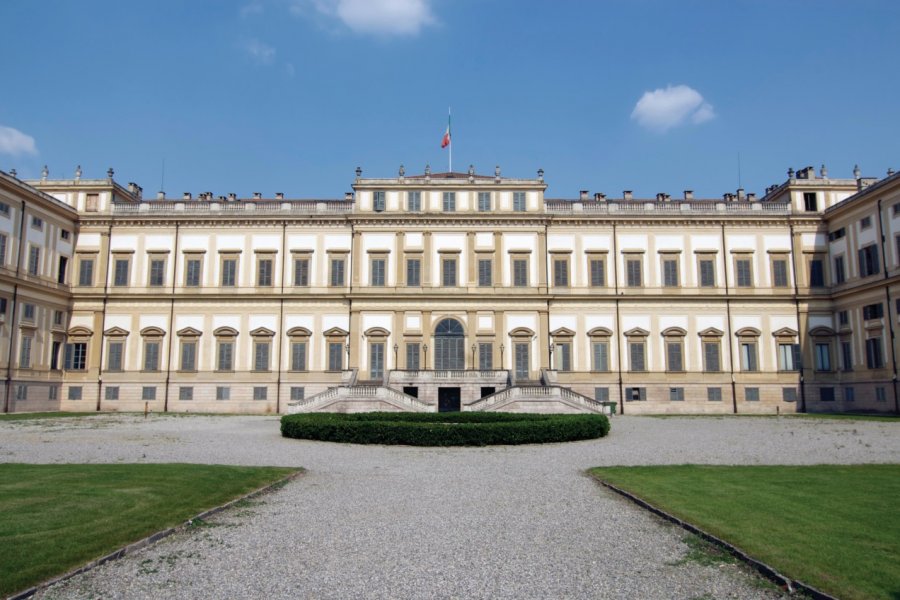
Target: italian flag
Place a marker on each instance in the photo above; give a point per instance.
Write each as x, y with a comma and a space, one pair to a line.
445, 141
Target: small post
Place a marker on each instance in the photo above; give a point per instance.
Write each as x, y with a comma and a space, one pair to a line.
146, 409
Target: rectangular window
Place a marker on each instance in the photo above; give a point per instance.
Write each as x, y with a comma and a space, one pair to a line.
120, 271
484, 201
676, 394
839, 274
299, 393
75, 392
54, 355
413, 272
25, 352
810, 202
751, 394
223, 392
378, 268
298, 356
600, 356
412, 356
846, 356
519, 201
748, 357
61, 271
837, 234
151, 356
826, 394
414, 201
225, 358
301, 272
788, 394
261, 355
711, 357
114, 358
34, 260
449, 202
229, 272
3, 302
633, 272
260, 392
561, 272
564, 356
148, 392
58, 317
520, 272
674, 356
448, 272
779, 272
843, 318
486, 356
601, 394
185, 393
868, 261
264, 272
65, 234
823, 357
37, 223
849, 395
597, 267
53, 392
670, 272
2, 249
637, 356
865, 222
337, 272
75, 356
744, 270
189, 355
816, 273
378, 202
376, 360
92, 203
335, 356
86, 272
635, 394
4, 209
192, 272
28, 312
873, 311
112, 392
707, 272
714, 394
788, 357
874, 357
157, 272
485, 272
880, 395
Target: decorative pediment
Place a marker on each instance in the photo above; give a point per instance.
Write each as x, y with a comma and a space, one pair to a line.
262, 332
115, 332
785, 332
152, 332
747, 332
336, 332
225, 332
599, 332
521, 332
674, 332
712, 332
189, 332
79, 331
821, 331
562, 332
299, 332
376, 332
637, 332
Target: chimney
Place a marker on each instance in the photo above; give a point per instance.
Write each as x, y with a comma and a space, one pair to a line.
160, 195
585, 195
751, 197
660, 197
688, 194
132, 187
348, 196
257, 195
627, 195
220, 198
279, 195
209, 195
728, 197
186, 196
232, 196
599, 196
740, 193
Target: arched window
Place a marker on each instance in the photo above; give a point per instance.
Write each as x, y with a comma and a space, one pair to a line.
449, 346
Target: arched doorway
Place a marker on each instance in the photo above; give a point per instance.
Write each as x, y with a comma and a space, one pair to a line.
449, 346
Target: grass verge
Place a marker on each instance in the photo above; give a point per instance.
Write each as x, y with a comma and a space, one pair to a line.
57, 517
836, 528
45, 415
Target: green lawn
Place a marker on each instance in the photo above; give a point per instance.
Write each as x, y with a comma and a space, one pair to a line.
836, 528
44, 415
57, 517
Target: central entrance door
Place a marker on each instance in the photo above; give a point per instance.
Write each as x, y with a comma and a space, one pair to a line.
448, 346
448, 399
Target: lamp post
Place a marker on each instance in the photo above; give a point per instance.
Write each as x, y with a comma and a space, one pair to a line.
550, 355
396, 347
501, 355
473, 357
425, 351
348, 354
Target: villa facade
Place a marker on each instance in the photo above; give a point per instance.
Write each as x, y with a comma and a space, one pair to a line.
450, 291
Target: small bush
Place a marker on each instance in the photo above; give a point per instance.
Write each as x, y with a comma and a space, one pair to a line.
443, 429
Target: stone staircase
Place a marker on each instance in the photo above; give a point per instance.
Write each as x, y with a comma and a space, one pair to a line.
359, 398
539, 399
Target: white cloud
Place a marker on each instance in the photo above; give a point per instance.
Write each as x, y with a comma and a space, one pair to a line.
662, 109
253, 8
380, 17
16, 143
259, 52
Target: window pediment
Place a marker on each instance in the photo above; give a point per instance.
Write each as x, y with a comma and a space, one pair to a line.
225, 332
115, 332
521, 332
79, 331
189, 332
712, 332
299, 332
674, 332
336, 332
748, 332
562, 332
821, 331
637, 332
599, 332
376, 332
152, 332
784, 332
262, 332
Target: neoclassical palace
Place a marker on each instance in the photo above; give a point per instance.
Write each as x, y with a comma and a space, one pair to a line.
450, 291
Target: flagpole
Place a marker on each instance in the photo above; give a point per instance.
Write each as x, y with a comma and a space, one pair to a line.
450, 154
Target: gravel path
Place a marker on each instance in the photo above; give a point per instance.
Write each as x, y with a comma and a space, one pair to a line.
399, 522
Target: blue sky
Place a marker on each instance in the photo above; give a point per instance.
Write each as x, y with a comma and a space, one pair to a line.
292, 95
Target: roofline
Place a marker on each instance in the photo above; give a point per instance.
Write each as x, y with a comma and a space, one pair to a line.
862, 193
22, 185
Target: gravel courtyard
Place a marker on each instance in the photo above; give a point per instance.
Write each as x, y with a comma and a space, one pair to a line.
400, 522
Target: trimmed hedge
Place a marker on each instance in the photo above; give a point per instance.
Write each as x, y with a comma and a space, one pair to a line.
443, 429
